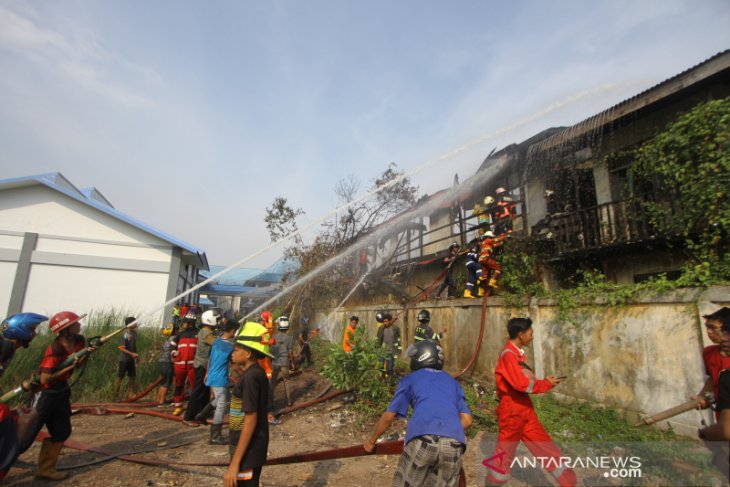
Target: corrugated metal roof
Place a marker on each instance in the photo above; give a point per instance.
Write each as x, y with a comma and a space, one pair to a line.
698, 73
58, 182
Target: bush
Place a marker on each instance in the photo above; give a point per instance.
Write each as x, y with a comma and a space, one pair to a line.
358, 370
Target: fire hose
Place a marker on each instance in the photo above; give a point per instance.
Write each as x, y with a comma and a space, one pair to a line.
93, 344
478, 345
385, 448
146, 390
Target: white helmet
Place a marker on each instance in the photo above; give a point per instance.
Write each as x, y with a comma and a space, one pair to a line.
488, 234
210, 318
500, 190
283, 323
488, 200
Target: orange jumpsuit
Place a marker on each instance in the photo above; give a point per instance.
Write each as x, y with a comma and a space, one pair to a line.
518, 421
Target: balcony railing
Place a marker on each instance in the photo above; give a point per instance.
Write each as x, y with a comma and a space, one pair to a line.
609, 224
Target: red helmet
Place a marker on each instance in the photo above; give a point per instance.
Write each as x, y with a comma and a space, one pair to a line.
63, 319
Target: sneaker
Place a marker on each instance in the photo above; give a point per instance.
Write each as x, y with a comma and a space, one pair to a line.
177, 412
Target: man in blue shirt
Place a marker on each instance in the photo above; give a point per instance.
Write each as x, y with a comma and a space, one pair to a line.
435, 441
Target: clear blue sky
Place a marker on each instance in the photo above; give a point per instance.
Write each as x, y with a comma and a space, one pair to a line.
192, 116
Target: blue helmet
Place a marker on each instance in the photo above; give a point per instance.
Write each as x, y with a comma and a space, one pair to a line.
21, 326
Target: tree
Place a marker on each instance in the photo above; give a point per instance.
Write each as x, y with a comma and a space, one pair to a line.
281, 219
392, 194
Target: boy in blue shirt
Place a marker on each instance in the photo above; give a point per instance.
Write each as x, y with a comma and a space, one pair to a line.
435, 441
217, 379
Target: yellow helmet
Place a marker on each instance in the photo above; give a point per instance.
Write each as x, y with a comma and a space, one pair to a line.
167, 329
255, 336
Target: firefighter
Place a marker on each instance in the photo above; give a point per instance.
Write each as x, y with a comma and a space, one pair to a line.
516, 416
423, 330
715, 357
474, 270
283, 363
17, 331
482, 214
184, 345
491, 268
200, 395
504, 212
449, 276
53, 401
164, 363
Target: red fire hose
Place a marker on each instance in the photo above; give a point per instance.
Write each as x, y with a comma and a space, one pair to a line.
146, 391
478, 345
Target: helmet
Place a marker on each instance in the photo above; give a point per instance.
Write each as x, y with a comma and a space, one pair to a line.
453, 245
21, 326
488, 234
500, 191
168, 329
63, 319
488, 200
210, 317
190, 316
379, 317
426, 354
265, 315
424, 316
283, 323
549, 193
254, 336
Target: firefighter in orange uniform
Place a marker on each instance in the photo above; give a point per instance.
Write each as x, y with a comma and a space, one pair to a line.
516, 414
504, 212
491, 267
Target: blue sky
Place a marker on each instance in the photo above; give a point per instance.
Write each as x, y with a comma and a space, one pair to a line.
193, 116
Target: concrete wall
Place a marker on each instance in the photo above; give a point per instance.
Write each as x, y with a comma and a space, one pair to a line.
641, 358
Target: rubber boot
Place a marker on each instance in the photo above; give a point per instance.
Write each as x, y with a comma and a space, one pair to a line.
161, 393
47, 461
205, 412
467, 293
480, 292
215, 435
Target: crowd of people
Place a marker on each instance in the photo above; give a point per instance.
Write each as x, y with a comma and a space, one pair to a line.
233, 368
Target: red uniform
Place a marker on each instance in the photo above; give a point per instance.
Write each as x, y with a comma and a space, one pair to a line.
186, 344
486, 258
715, 362
518, 421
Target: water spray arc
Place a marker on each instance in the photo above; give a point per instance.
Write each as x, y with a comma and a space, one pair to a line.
444, 157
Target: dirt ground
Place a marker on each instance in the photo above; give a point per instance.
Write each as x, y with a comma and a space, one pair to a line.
327, 425
321, 427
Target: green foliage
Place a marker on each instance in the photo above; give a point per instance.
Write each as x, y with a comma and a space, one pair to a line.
358, 370
97, 381
518, 279
689, 163
594, 290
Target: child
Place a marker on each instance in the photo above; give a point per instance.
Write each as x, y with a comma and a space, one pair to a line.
17, 331
164, 363
435, 440
349, 335
516, 414
249, 429
53, 402
714, 357
217, 378
127, 358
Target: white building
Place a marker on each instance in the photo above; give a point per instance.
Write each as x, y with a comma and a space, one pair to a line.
62, 248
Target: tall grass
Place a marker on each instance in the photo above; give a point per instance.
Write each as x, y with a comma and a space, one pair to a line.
96, 383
